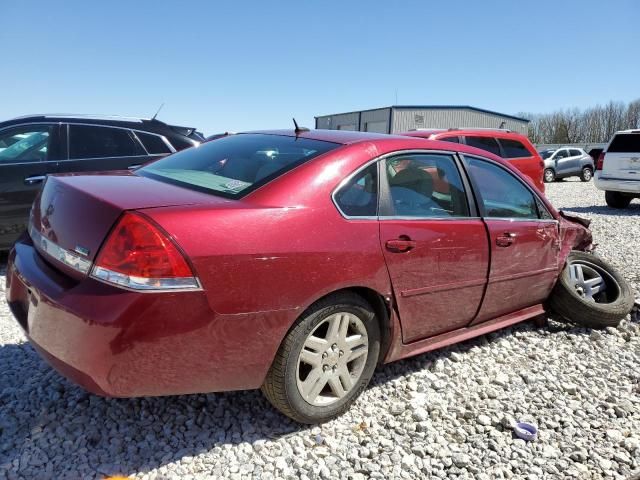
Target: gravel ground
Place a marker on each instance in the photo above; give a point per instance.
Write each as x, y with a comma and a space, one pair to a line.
446, 414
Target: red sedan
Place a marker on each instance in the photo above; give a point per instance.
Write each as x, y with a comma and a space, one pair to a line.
294, 261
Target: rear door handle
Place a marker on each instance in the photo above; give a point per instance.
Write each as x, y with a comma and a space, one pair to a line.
506, 239
35, 179
399, 245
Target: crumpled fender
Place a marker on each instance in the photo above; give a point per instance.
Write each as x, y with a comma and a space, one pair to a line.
574, 235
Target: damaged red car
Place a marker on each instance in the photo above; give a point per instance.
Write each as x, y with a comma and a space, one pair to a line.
293, 261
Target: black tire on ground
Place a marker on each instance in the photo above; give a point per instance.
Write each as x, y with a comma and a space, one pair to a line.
280, 386
549, 175
616, 199
612, 305
587, 174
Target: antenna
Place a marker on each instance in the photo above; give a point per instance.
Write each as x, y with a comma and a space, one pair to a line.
154, 117
299, 129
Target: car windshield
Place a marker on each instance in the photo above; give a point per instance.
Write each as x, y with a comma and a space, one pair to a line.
235, 165
546, 153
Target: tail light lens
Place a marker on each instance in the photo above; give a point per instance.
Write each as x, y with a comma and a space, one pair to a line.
600, 162
138, 255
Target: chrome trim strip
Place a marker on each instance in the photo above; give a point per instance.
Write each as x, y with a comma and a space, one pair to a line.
140, 142
70, 259
83, 159
145, 285
95, 117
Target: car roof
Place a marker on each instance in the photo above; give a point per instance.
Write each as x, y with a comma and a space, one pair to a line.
107, 120
632, 130
344, 137
451, 132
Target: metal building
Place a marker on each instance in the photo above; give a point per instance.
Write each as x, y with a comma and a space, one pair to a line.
401, 118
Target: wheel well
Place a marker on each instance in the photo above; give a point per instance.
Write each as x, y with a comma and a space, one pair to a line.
381, 308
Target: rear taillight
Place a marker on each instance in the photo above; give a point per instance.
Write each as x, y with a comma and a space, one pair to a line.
600, 162
140, 256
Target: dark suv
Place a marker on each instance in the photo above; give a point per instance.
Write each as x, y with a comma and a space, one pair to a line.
32, 147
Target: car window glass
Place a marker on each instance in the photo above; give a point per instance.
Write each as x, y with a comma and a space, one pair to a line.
87, 141
561, 154
154, 144
625, 143
513, 148
359, 197
485, 143
450, 139
543, 213
575, 153
503, 195
25, 144
426, 185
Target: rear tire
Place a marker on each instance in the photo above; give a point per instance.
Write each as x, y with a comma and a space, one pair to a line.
316, 375
549, 175
587, 174
572, 299
616, 199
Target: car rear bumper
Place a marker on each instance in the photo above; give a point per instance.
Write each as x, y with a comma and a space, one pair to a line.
617, 184
126, 344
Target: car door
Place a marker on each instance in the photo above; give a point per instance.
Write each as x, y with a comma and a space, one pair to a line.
27, 154
562, 162
523, 237
435, 246
574, 161
99, 148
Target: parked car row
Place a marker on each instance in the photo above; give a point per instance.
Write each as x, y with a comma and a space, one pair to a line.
295, 262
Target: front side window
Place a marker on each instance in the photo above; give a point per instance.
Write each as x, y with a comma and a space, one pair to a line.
485, 143
502, 194
235, 165
514, 148
88, 141
29, 143
359, 197
425, 185
561, 154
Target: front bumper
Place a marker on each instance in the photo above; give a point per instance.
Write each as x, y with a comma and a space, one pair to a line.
120, 343
617, 184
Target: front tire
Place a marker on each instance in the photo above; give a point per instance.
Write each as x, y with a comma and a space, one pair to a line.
591, 292
616, 199
326, 360
549, 175
587, 174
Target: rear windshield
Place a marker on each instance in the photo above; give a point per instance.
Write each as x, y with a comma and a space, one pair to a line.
235, 165
546, 153
625, 143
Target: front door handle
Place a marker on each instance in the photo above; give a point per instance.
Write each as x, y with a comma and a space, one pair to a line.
35, 179
400, 245
506, 239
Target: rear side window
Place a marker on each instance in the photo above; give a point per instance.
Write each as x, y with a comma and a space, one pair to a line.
359, 197
485, 143
25, 144
88, 141
574, 153
625, 143
513, 148
450, 139
154, 144
503, 196
235, 165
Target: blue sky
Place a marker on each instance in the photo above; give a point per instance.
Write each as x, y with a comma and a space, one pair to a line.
250, 65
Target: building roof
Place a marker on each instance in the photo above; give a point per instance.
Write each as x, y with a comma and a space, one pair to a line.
433, 107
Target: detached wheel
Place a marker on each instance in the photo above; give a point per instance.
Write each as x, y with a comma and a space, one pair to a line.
591, 292
587, 174
549, 175
616, 199
325, 361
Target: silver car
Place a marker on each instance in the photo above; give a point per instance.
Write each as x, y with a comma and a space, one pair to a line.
567, 162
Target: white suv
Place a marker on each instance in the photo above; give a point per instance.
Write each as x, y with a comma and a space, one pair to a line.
618, 169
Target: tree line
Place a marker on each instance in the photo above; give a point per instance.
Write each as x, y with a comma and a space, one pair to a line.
592, 125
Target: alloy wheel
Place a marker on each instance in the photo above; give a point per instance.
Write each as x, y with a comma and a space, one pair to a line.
592, 282
332, 359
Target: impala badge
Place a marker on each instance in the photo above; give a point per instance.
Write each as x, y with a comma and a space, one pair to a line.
81, 250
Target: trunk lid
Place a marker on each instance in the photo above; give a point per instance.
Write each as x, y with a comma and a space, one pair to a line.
622, 157
77, 212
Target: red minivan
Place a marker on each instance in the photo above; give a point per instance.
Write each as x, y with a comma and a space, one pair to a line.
513, 147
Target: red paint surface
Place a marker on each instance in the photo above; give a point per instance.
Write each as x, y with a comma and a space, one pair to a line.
262, 261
